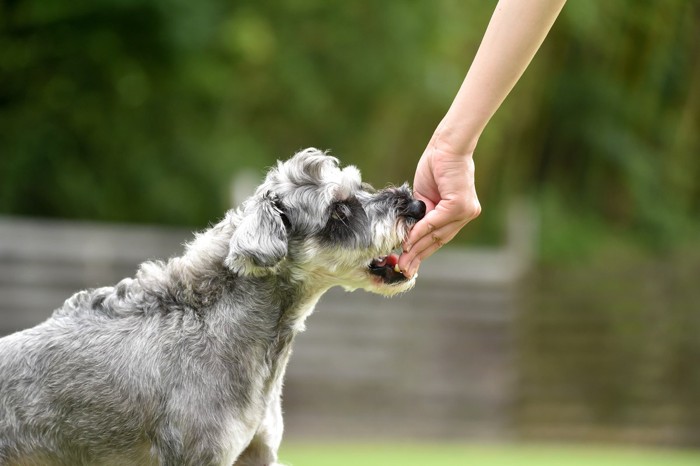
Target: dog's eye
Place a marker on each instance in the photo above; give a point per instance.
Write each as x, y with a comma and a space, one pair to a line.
340, 212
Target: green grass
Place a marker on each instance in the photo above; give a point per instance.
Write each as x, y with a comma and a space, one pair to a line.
297, 454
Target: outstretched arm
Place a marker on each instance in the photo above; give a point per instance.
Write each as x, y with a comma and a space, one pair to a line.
444, 177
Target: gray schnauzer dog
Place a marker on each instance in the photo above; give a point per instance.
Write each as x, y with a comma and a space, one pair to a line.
183, 364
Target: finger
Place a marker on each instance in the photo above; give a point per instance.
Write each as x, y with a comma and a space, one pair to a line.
426, 246
433, 236
433, 220
416, 262
443, 215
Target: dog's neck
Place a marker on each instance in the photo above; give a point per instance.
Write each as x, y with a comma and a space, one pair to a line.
281, 299
245, 314
202, 266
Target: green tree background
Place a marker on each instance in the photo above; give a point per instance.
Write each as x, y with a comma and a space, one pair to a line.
141, 111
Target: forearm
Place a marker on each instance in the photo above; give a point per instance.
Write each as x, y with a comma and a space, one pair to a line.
514, 34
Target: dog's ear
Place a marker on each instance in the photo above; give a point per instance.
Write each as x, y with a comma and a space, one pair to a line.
259, 242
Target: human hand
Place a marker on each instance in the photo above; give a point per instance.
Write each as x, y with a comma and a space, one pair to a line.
444, 180
445, 174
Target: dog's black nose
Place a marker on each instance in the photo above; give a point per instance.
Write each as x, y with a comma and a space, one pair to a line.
415, 209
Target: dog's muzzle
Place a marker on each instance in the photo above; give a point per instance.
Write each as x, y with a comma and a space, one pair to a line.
386, 267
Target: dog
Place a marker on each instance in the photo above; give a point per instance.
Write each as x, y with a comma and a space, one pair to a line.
184, 363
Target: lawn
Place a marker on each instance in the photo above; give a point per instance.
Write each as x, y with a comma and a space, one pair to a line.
298, 454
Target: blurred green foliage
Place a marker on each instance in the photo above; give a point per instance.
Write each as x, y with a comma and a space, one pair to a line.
141, 111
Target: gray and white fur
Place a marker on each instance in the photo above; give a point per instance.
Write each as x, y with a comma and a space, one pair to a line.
183, 364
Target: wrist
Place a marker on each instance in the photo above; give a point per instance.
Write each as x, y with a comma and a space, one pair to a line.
455, 140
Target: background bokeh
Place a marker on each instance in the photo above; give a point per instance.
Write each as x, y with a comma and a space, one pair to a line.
142, 111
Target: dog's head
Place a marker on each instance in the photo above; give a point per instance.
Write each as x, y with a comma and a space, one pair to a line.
316, 221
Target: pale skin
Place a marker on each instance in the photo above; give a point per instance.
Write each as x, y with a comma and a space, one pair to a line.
444, 177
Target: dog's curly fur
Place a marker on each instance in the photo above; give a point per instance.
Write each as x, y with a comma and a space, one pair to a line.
183, 364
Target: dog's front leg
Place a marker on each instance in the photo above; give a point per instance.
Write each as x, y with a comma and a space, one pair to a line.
262, 450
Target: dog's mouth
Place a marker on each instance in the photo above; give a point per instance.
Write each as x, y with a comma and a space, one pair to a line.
387, 268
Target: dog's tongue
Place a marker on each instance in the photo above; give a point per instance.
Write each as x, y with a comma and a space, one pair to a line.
388, 268
389, 261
